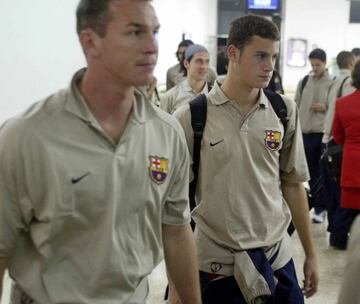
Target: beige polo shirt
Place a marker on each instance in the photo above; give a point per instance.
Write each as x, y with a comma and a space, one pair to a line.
179, 96
174, 76
315, 90
244, 158
333, 95
80, 216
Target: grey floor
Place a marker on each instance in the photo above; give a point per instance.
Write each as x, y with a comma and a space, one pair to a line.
331, 263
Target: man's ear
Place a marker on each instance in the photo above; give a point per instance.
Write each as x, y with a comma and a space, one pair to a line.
91, 43
186, 64
232, 52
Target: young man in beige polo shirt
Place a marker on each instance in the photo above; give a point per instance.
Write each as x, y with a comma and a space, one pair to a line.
93, 179
250, 180
196, 62
312, 100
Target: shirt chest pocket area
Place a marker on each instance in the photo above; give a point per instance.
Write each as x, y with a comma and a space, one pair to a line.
215, 150
79, 190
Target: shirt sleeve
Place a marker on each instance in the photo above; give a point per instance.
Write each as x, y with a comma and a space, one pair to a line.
328, 124
11, 220
298, 93
167, 101
293, 165
177, 209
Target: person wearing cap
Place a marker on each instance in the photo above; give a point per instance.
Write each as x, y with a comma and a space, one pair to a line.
94, 179
250, 184
311, 98
177, 73
196, 62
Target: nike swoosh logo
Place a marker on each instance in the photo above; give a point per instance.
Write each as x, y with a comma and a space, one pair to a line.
75, 180
216, 143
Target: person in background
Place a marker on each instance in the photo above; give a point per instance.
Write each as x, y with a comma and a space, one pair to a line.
177, 73
94, 180
311, 98
356, 52
196, 63
346, 132
275, 83
339, 218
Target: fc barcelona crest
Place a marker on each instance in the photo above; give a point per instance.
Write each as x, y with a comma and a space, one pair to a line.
272, 140
158, 169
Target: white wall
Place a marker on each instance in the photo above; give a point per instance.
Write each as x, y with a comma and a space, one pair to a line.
197, 18
325, 24
39, 50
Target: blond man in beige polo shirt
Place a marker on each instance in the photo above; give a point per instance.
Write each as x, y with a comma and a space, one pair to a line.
196, 62
250, 178
93, 179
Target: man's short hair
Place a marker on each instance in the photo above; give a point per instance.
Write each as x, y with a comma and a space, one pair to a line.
355, 75
93, 14
244, 28
356, 51
318, 54
345, 59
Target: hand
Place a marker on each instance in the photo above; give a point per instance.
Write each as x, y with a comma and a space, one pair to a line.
318, 107
311, 274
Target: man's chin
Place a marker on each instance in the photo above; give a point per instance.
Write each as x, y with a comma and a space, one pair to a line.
143, 81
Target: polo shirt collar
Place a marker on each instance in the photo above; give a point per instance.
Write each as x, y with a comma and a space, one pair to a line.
187, 88
218, 97
77, 105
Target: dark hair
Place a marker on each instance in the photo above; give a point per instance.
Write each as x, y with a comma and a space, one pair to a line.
356, 51
318, 54
244, 28
93, 14
345, 59
186, 42
355, 75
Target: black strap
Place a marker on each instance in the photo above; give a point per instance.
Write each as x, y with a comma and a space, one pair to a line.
198, 109
341, 87
279, 106
303, 84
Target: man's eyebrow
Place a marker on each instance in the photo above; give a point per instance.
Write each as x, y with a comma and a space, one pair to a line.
134, 24
139, 25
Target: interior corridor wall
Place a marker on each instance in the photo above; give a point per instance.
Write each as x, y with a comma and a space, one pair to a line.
39, 49
324, 24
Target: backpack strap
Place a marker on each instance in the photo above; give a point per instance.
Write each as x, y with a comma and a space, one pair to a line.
198, 110
341, 87
279, 106
303, 84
